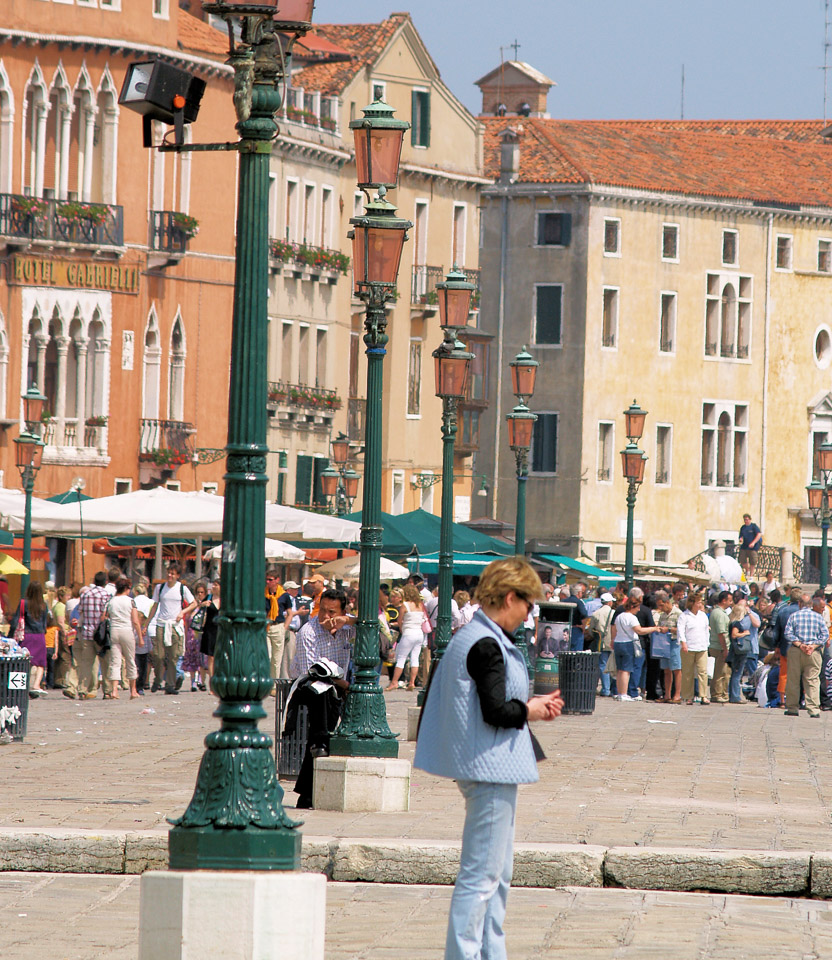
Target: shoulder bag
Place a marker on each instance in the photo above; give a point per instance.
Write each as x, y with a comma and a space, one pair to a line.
101, 636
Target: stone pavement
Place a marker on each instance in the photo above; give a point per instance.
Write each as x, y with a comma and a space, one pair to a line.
632, 774
66, 917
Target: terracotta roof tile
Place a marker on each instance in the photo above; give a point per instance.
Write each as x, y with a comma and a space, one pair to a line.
199, 37
782, 162
364, 41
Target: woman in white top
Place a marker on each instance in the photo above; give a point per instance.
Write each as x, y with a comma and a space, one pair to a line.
692, 631
411, 617
625, 633
125, 629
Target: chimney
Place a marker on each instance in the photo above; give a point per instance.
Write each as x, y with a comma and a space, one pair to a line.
510, 154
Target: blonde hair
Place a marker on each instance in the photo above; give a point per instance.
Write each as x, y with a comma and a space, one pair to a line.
462, 597
411, 594
397, 592
503, 576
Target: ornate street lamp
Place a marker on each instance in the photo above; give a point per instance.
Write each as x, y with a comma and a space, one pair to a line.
28, 457
520, 431
340, 486
378, 239
819, 494
454, 297
236, 820
633, 461
378, 146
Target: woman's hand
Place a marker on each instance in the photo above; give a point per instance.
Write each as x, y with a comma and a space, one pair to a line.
545, 707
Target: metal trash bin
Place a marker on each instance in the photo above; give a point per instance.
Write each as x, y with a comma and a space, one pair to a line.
545, 675
14, 695
288, 751
578, 672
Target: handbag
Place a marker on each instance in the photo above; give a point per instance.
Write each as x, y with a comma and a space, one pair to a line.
20, 629
660, 646
198, 620
101, 637
426, 627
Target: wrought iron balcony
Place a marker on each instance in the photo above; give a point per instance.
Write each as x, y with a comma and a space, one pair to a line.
302, 395
423, 287
727, 350
723, 480
170, 231
604, 474
61, 221
662, 476
305, 256
742, 351
710, 349
666, 346
608, 340
706, 479
473, 276
167, 443
739, 479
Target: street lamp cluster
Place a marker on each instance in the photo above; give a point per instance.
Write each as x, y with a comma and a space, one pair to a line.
29, 456
339, 483
633, 462
819, 493
521, 423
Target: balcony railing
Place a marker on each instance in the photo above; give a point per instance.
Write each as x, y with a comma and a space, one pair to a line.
91, 432
739, 479
302, 395
356, 411
726, 350
666, 346
662, 476
604, 474
166, 235
167, 443
742, 351
706, 479
423, 288
473, 276
63, 221
608, 340
710, 349
723, 480
305, 255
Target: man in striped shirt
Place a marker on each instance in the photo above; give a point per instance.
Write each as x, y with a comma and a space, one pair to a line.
807, 635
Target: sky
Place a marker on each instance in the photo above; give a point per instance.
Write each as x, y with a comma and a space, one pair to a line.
623, 58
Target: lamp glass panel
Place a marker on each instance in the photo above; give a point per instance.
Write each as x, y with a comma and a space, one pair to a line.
825, 457
384, 252
522, 379
33, 404
329, 483
340, 451
351, 486
377, 155
451, 376
635, 424
454, 306
815, 495
28, 452
138, 79
633, 465
520, 430
298, 10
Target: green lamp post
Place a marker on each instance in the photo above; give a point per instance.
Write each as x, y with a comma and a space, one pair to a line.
236, 820
452, 363
28, 457
520, 430
633, 461
819, 496
378, 239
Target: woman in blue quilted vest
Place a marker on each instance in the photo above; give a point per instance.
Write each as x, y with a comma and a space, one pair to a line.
475, 730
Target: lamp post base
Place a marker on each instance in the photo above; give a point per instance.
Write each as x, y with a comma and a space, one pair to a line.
230, 848
233, 915
362, 785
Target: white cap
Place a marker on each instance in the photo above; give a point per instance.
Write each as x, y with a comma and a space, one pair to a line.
607, 598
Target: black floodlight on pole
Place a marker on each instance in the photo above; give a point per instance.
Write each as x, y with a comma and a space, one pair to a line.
160, 91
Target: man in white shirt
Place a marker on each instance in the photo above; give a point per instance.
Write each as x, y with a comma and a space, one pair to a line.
169, 600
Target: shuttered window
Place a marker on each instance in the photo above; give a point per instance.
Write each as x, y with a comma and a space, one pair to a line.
545, 443
303, 479
420, 118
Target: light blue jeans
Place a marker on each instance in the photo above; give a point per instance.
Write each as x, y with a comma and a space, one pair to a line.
478, 905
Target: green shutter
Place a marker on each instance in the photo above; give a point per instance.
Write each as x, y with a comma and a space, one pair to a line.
321, 463
420, 118
426, 120
303, 479
282, 464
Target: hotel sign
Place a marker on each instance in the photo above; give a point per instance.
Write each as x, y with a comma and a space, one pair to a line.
82, 275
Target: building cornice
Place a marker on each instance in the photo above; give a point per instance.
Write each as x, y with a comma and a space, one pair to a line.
314, 151
472, 179
636, 197
125, 47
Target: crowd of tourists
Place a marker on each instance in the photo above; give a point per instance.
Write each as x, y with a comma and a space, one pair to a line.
680, 644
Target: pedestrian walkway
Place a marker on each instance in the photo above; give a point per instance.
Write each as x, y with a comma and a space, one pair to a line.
67, 917
646, 774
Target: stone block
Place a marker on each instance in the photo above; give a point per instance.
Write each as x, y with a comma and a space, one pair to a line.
558, 865
362, 784
318, 854
145, 851
766, 872
62, 851
413, 714
396, 861
232, 915
822, 875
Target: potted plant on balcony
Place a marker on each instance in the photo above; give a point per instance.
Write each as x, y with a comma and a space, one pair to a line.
99, 420
29, 206
294, 113
169, 457
328, 123
282, 250
74, 212
186, 227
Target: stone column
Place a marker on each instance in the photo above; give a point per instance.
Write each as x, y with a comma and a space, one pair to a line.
89, 134
99, 400
42, 341
62, 175
42, 110
62, 344
81, 344
786, 565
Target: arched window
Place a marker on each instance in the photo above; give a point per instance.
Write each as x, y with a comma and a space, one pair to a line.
82, 133
6, 133
56, 167
728, 321
35, 113
724, 451
98, 352
176, 372
105, 143
152, 367
4, 365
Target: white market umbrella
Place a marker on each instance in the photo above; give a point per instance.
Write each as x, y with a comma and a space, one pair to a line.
349, 568
170, 513
274, 550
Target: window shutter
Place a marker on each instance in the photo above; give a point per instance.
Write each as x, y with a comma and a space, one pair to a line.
303, 479
426, 120
320, 464
566, 229
415, 117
